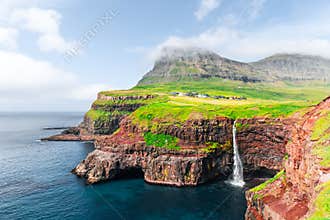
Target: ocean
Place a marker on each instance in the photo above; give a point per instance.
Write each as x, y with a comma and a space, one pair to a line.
36, 182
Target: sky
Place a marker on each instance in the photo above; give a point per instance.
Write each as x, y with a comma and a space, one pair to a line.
56, 55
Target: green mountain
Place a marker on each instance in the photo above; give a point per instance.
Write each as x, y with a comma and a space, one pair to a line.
295, 67
196, 64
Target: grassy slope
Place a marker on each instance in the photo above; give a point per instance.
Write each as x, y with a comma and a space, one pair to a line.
273, 100
322, 203
321, 136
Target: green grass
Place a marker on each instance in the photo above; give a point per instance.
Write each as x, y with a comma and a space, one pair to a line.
240, 126
271, 100
211, 147
321, 126
321, 136
263, 99
179, 112
265, 184
98, 115
281, 91
157, 98
161, 140
322, 203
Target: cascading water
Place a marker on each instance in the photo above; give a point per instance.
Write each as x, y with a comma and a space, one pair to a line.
237, 178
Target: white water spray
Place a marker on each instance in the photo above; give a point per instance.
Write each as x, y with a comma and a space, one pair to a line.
237, 178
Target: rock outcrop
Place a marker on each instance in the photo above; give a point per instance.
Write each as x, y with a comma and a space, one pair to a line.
292, 195
126, 151
110, 111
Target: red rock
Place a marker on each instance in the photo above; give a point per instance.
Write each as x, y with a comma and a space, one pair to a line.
303, 175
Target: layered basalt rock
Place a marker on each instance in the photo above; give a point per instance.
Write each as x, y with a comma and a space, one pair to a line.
71, 134
262, 144
116, 108
261, 141
192, 164
101, 126
124, 152
292, 196
103, 96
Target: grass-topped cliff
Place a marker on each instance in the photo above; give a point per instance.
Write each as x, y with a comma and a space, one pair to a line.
195, 84
262, 99
303, 186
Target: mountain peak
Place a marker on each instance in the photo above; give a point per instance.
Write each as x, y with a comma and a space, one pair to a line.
184, 53
194, 64
296, 66
186, 64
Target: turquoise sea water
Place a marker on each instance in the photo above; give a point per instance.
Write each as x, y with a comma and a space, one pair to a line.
36, 183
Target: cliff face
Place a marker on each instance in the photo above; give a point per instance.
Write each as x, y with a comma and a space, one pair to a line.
103, 118
262, 143
194, 163
293, 195
124, 152
114, 109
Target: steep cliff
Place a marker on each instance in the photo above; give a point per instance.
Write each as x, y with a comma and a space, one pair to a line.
108, 110
203, 152
126, 151
104, 116
301, 190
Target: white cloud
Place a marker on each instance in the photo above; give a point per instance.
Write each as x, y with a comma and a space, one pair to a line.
8, 6
23, 78
21, 72
87, 92
312, 38
210, 39
8, 37
206, 6
44, 22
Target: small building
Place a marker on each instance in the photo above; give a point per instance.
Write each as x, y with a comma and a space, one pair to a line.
174, 93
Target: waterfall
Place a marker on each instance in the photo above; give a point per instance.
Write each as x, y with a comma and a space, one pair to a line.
237, 178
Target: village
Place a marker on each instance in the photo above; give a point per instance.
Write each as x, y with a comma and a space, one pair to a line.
199, 95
